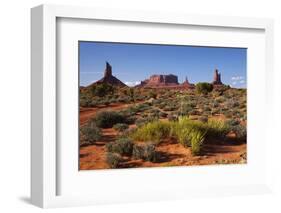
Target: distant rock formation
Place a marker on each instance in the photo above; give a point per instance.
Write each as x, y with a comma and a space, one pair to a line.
108, 70
109, 78
160, 81
187, 84
155, 81
217, 78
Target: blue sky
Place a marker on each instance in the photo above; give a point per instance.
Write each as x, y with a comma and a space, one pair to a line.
132, 63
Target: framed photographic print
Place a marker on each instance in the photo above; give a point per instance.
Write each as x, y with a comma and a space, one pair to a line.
149, 106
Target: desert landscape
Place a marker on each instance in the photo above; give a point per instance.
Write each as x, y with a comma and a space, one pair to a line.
161, 122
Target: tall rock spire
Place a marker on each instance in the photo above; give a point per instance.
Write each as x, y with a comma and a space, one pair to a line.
217, 77
109, 78
108, 70
186, 84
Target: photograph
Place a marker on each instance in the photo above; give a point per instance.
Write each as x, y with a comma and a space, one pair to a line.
161, 105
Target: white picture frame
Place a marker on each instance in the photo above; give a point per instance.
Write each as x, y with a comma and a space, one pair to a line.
44, 150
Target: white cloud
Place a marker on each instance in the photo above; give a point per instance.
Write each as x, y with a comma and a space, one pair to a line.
132, 84
236, 78
238, 81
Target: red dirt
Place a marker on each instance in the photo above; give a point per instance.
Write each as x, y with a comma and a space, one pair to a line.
171, 153
87, 113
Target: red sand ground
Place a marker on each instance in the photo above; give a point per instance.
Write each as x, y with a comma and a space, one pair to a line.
172, 154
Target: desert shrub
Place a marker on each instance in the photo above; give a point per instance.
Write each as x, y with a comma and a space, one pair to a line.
215, 111
204, 88
106, 119
206, 113
172, 117
242, 106
120, 127
192, 104
94, 103
131, 120
154, 131
106, 102
232, 122
190, 134
228, 114
102, 90
169, 108
89, 133
142, 107
193, 112
145, 152
236, 104
162, 105
163, 114
157, 102
206, 108
154, 111
84, 102
220, 99
232, 104
112, 100
121, 99
240, 132
113, 160
181, 133
142, 121
244, 117
203, 119
128, 112
131, 93
216, 129
152, 94
122, 146
185, 109
215, 104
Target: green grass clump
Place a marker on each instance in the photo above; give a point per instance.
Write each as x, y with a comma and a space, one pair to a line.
197, 138
154, 131
122, 146
189, 133
181, 132
216, 129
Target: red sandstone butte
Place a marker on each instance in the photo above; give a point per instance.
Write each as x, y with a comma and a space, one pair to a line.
165, 81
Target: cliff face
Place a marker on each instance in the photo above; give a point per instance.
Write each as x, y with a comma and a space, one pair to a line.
161, 80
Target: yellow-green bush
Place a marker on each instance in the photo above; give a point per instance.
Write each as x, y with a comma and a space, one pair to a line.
217, 129
197, 138
154, 131
189, 133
